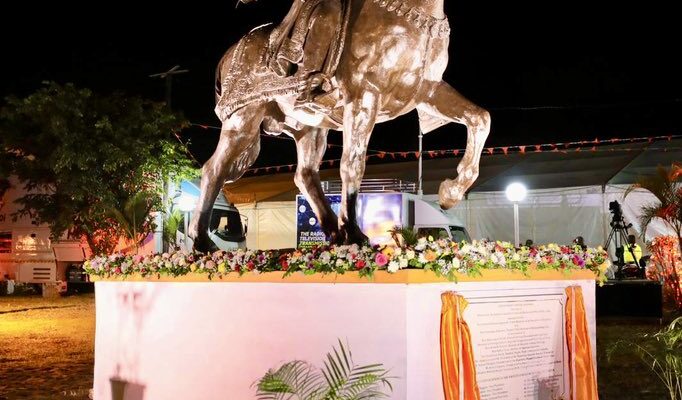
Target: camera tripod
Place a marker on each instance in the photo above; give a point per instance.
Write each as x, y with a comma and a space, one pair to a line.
619, 234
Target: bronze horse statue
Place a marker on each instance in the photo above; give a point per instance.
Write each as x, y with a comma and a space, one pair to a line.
344, 65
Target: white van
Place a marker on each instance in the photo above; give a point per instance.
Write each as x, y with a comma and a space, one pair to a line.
227, 228
379, 209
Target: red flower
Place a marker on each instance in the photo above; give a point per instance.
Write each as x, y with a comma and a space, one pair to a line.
238, 268
117, 270
285, 265
360, 264
250, 265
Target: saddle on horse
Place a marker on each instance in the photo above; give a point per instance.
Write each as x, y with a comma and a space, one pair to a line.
308, 44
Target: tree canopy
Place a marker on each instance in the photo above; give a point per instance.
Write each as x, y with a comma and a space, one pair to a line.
82, 155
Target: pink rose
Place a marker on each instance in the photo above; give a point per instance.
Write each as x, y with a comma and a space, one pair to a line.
380, 259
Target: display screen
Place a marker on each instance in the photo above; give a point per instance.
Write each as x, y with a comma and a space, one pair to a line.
377, 214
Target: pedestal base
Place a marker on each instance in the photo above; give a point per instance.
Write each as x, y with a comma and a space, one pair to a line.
213, 340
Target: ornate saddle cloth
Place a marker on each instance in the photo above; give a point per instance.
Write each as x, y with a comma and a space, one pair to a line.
271, 76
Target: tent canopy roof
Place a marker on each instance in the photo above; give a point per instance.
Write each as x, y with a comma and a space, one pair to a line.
606, 165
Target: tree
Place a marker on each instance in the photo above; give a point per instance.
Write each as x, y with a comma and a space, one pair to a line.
171, 224
81, 155
666, 186
134, 217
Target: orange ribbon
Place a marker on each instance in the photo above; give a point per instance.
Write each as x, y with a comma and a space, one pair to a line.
581, 364
456, 353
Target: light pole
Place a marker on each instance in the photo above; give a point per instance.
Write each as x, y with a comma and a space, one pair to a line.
421, 138
186, 204
516, 192
168, 76
158, 235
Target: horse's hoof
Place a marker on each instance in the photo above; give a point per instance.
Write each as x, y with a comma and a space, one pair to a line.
204, 245
449, 194
354, 236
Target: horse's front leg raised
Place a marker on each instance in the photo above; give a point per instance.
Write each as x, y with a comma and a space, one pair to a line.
237, 149
311, 144
445, 102
359, 117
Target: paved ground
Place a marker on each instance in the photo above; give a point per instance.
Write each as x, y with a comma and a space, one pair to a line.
46, 352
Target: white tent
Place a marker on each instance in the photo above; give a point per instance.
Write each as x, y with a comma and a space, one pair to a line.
569, 193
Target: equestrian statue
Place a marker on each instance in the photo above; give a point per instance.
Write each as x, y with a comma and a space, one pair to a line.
344, 65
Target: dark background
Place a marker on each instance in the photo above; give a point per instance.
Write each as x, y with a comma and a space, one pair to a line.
547, 71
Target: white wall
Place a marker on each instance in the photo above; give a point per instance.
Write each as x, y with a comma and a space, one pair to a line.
546, 216
271, 225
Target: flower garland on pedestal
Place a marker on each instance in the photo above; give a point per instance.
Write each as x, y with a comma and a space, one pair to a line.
444, 257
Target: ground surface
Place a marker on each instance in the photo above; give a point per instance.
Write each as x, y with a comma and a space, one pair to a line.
46, 347
46, 352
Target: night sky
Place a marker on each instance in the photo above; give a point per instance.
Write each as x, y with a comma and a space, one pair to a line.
547, 71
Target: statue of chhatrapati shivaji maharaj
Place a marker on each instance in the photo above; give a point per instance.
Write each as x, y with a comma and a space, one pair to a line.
342, 65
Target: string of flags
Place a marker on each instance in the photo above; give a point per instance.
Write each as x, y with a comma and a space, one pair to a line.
561, 147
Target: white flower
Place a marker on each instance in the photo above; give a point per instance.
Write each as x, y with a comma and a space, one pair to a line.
182, 262
393, 267
516, 257
441, 262
339, 262
403, 262
498, 259
456, 263
398, 251
325, 257
465, 249
409, 254
422, 259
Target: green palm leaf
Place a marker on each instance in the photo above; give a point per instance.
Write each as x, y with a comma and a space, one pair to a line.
295, 380
340, 379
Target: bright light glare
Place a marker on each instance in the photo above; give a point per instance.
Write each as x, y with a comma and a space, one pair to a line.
516, 192
186, 203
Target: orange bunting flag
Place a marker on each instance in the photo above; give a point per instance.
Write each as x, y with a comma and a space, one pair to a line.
490, 150
505, 150
522, 149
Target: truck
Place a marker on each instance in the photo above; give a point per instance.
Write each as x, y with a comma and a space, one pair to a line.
28, 254
227, 227
382, 205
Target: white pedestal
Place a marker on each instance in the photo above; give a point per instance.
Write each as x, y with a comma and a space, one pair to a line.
213, 340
